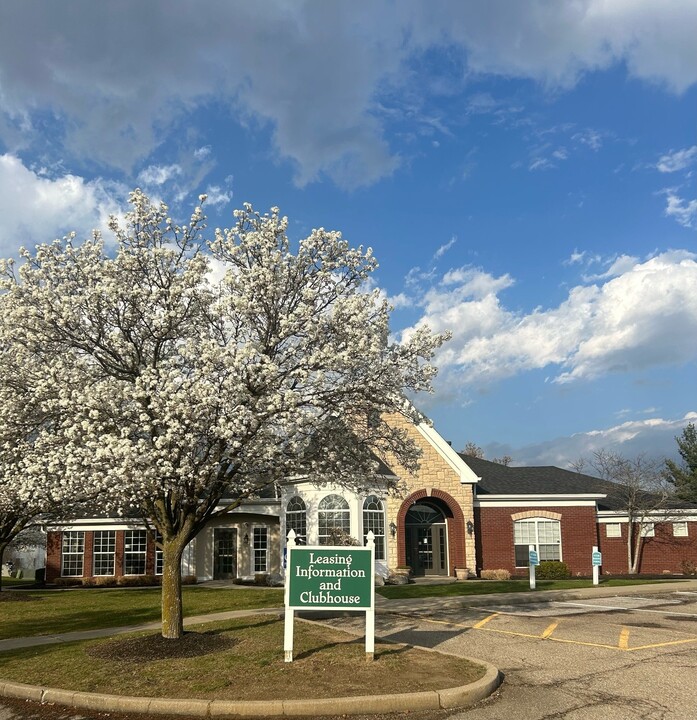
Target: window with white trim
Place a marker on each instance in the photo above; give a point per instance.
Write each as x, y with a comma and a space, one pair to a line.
260, 549
374, 519
543, 533
680, 529
72, 553
103, 552
334, 518
613, 530
135, 547
159, 555
296, 519
648, 529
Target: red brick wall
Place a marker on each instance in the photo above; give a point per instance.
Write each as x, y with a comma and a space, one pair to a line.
659, 554
54, 542
494, 532
53, 555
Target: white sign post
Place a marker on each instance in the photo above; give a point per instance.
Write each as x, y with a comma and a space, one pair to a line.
330, 578
597, 560
533, 560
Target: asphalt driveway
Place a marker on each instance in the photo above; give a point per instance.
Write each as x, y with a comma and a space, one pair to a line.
605, 658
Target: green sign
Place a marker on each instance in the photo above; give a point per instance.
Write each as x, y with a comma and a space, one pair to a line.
596, 558
326, 577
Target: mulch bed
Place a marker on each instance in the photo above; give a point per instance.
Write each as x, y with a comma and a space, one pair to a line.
156, 647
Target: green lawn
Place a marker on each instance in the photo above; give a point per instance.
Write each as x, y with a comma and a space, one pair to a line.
246, 662
484, 587
56, 611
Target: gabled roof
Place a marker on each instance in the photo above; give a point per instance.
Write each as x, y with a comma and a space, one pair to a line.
497, 480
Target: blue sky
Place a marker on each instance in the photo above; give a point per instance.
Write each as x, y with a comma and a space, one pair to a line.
524, 171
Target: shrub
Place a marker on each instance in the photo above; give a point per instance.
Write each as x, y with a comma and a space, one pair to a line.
89, 582
552, 570
499, 574
189, 580
137, 580
68, 581
688, 567
105, 581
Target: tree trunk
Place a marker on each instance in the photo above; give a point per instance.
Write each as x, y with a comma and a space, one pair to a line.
630, 545
172, 610
2, 560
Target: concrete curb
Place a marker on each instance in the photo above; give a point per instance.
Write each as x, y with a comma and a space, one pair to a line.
448, 698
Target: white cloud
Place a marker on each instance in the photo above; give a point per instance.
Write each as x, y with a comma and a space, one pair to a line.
314, 72
36, 209
575, 258
616, 266
589, 137
654, 437
642, 315
682, 211
217, 196
157, 175
677, 160
444, 248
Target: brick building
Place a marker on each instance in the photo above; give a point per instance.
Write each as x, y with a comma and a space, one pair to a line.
456, 512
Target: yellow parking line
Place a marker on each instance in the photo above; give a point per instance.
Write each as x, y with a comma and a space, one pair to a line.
586, 644
482, 623
550, 629
623, 644
663, 644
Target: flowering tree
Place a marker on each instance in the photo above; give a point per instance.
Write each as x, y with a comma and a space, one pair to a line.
34, 487
193, 371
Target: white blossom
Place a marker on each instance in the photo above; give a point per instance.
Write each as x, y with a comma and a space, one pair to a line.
173, 391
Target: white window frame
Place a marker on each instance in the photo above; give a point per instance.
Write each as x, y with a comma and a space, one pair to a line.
98, 553
259, 552
345, 517
536, 521
159, 555
70, 540
680, 529
142, 535
296, 519
647, 529
616, 530
374, 519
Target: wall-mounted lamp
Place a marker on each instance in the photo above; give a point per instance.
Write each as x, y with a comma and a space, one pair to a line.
245, 539
393, 529
470, 527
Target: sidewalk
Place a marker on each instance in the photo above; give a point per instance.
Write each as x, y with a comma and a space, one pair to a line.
385, 606
382, 606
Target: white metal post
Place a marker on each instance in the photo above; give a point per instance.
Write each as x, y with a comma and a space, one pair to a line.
596, 568
531, 548
289, 615
370, 613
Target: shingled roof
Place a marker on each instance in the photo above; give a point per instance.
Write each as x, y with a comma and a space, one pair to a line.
498, 479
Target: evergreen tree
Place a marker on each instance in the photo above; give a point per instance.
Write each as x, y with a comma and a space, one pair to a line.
684, 476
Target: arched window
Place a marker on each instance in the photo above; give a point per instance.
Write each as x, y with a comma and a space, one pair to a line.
334, 517
296, 519
543, 533
374, 519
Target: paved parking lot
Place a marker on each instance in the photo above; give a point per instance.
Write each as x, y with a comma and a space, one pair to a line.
604, 659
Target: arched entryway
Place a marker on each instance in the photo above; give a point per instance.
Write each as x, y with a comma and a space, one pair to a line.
431, 534
425, 542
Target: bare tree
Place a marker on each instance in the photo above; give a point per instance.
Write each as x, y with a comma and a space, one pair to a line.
473, 450
639, 489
